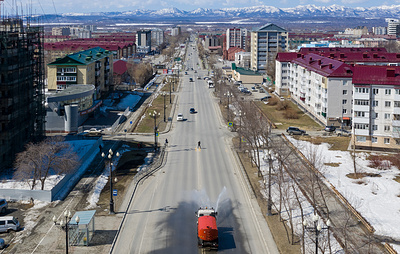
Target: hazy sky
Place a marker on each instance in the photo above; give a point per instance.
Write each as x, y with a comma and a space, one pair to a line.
63, 6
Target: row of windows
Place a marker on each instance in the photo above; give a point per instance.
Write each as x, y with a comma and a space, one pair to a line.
376, 90
374, 139
66, 70
66, 78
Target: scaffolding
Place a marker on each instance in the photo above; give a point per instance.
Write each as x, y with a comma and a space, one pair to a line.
22, 112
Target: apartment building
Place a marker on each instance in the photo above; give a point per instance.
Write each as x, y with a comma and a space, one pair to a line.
143, 41
92, 66
242, 59
157, 36
376, 107
22, 114
266, 42
393, 27
236, 37
322, 87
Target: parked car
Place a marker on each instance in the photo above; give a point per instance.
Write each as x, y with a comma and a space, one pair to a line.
192, 110
8, 223
342, 132
198, 77
179, 117
3, 205
2, 244
330, 128
295, 131
265, 98
190, 79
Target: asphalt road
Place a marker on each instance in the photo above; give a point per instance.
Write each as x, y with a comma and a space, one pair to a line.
161, 218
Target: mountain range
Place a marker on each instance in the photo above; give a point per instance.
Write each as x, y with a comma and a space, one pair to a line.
302, 11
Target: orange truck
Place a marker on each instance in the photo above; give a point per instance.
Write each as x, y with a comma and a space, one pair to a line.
207, 231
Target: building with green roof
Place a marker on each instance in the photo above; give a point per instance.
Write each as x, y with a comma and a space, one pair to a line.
92, 66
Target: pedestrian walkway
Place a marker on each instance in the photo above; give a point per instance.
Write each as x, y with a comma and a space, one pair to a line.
347, 229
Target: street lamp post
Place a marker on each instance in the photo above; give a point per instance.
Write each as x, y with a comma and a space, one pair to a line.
65, 225
228, 94
109, 156
169, 81
163, 94
154, 115
317, 228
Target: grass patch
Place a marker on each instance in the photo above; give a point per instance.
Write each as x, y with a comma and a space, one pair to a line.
301, 119
362, 175
147, 123
331, 164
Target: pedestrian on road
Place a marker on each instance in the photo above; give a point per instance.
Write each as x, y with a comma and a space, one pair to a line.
198, 145
166, 142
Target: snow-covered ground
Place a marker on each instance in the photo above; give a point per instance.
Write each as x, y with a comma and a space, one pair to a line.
376, 198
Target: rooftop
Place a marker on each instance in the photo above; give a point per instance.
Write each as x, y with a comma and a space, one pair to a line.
83, 57
376, 75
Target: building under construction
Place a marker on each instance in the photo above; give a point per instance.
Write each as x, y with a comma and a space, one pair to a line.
22, 111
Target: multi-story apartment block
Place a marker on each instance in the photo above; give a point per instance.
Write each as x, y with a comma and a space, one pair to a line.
143, 41
22, 114
266, 42
322, 86
282, 72
92, 66
379, 30
376, 107
393, 27
60, 31
242, 59
157, 35
175, 31
236, 37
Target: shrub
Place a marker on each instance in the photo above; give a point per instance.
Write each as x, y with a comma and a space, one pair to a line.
291, 114
273, 101
282, 105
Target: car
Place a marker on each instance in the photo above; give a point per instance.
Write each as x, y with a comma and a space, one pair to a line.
8, 223
190, 79
2, 244
342, 132
192, 110
206, 78
195, 71
3, 206
179, 117
295, 131
186, 73
198, 77
265, 98
330, 128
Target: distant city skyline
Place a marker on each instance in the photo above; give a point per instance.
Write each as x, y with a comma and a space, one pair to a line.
78, 6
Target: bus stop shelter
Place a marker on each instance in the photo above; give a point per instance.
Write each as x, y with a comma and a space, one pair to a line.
82, 233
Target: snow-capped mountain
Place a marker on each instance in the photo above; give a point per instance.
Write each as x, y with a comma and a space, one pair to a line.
261, 11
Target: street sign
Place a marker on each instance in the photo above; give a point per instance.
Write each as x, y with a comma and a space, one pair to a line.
130, 122
230, 124
157, 134
115, 192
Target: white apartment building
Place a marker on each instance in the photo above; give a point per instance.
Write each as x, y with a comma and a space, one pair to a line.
376, 109
282, 72
266, 42
157, 36
242, 59
322, 87
236, 37
393, 27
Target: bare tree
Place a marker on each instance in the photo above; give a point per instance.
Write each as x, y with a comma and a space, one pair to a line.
141, 72
38, 161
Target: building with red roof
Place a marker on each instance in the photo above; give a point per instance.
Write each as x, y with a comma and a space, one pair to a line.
230, 53
376, 107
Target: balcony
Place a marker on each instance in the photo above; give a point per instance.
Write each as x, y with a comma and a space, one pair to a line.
396, 110
361, 96
364, 108
361, 120
361, 132
396, 123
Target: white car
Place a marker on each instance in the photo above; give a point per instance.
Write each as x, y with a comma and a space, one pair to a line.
179, 117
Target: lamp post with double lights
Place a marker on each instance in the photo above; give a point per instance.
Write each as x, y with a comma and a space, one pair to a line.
164, 94
316, 228
64, 223
110, 165
154, 115
228, 94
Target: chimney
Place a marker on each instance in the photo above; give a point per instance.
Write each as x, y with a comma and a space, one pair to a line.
341, 55
332, 55
365, 55
330, 66
397, 55
298, 55
319, 62
375, 55
390, 73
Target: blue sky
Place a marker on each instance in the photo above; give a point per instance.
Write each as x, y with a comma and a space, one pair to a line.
53, 6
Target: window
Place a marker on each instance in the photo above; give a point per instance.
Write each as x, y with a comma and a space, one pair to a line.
66, 78
344, 101
66, 70
374, 127
375, 116
396, 104
387, 127
397, 91
375, 91
361, 126
388, 91
362, 90
361, 139
359, 114
387, 104
361, 102
375, 103
387, 116
374, 140
386, 140
344, 111
344, 92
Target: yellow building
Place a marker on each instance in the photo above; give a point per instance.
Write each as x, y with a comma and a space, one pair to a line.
92, 66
